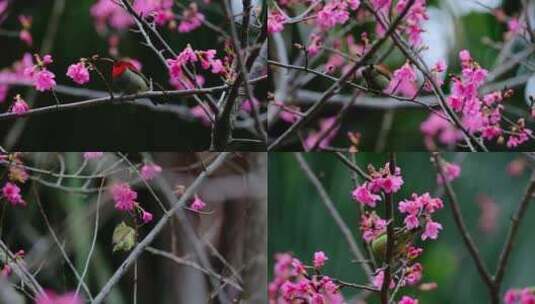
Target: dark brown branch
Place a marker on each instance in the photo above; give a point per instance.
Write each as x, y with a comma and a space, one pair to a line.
513, 230
455, 209
389, 217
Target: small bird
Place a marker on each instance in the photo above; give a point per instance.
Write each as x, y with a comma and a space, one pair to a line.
127, 79
403, 238
377, 77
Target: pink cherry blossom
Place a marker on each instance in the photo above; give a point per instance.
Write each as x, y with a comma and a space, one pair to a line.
93, 155
198, 204
514, 26
3, 92
19, 106
403, 81
11, 192
450, 171
319, 259
408, 300
146, 217
50, 297
191, 19
44, 80
332, 13
208, 61
150, 171
123, 196
78, 73
200, 113
431, 230
327, 132
364, 196
275, 22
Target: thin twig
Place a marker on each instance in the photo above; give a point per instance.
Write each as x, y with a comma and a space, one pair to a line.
140, 247
326, 200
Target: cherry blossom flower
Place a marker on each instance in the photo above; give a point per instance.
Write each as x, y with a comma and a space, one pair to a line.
3, 92
275, 22
329, 125
403, 81
44, 80
332, 13
123, 196
198, 204
146, 217
363, 195
450, 171
78, 73
6, 271
319, 259
19, 106
208, 61
408, 300
520, 296
11, 192
371, 226
176, 65
292, 283
379, 278
150, 171
191, 19
200, 113
107, 12
93, 155
431, 230
50, 297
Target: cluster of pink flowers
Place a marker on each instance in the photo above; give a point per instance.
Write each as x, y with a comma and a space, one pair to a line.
109, 13
326, 133
480, 115
19, 106
24, 34
520, 296
11, 192
419, 209
150, 171
451, 171
15, 75
125, 200
50, 297
191, 19
78, 72
413, 20
42, 78
382, 180
198, 204
371, 226
124, 197
335, 12
403, 81
93, 155
293, 283
275, 22
188, 55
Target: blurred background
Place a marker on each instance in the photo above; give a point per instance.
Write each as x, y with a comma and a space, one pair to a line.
230, 230
489, 191
66, 29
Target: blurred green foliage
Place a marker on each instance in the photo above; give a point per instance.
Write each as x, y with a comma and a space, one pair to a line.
299, 222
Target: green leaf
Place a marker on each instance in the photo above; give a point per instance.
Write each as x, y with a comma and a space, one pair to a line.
124, 237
